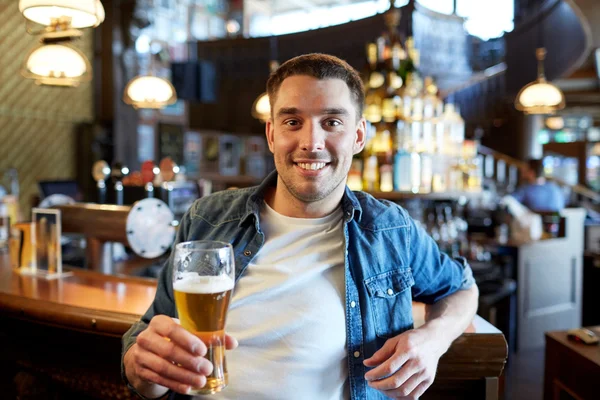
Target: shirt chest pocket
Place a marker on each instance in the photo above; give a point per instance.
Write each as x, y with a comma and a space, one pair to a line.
390, 299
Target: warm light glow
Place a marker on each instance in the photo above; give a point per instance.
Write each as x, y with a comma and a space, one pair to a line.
555, 123
81, 13
540, 97
54, 64
149, 92
261, 109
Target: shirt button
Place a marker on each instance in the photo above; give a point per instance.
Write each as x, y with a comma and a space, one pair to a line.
247, 253
352, 304
356, 354
390, 292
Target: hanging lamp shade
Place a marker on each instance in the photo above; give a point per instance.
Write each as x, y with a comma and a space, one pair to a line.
149, 92
261, 108
57, 65
540, 96
80, 13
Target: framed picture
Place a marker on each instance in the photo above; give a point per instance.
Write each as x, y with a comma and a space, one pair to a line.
255, 152
170, 142
192, 153
229, 155
256, 145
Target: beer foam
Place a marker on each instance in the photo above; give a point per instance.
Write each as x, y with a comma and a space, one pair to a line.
191, 282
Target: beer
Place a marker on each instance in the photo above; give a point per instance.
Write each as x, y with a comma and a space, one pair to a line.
202, 303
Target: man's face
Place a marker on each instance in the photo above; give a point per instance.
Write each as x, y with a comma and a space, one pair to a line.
313, 135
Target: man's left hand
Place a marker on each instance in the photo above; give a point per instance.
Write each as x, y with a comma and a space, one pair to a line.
405, 366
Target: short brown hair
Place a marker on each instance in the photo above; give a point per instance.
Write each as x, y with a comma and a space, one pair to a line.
320, 66
536, 166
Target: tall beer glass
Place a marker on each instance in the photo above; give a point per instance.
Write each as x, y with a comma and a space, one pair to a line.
203, 279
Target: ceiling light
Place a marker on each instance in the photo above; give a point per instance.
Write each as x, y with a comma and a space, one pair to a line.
57, 65
77, 13
540, 96
149, 92
261, 109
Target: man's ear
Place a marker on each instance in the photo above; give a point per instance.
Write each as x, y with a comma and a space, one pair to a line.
269, 132
361, 136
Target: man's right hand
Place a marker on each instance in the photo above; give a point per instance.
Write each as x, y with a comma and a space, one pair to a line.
167, 356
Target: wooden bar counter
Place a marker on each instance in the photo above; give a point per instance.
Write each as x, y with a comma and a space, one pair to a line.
62, 339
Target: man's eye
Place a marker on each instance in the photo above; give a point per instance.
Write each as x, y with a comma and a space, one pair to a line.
333, 122
291, 122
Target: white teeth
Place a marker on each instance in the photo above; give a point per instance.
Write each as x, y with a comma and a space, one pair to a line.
313, 166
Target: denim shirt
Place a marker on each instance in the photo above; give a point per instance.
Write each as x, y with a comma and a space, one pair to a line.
389, 262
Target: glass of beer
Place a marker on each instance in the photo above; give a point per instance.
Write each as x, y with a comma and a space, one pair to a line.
203, 279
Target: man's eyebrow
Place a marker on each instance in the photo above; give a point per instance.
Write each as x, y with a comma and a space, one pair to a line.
288, 111
335, 111
325, 111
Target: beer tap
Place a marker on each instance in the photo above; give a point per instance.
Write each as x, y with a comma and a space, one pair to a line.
119, 171
100, 173
148, 171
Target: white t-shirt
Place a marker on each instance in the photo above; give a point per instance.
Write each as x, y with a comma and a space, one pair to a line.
288, 314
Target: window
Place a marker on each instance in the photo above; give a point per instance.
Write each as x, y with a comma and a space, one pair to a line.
487, 19
441, 6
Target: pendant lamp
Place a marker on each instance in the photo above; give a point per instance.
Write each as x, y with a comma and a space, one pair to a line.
540, 96
149, 91
77, 13
57, 65
261, 108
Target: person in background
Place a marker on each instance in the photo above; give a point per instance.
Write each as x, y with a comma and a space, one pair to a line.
538, 194
325, 277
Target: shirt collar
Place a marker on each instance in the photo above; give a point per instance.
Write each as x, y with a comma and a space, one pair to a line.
350, 204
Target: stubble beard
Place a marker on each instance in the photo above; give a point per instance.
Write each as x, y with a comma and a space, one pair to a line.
321, 190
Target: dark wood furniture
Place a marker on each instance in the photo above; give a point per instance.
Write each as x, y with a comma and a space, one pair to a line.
100, 223
62, 339
572, 370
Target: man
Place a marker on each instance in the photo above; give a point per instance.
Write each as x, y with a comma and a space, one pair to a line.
537, 194
325, 277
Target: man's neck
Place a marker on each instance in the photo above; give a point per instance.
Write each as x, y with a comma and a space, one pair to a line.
282, 201
540, 180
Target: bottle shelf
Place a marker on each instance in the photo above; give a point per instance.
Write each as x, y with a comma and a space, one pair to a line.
397, 196
229, 179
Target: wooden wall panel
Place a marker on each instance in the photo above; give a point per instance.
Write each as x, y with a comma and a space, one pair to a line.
37, 124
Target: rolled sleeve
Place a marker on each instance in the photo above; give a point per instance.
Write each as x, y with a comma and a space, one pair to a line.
436, 274
467, 278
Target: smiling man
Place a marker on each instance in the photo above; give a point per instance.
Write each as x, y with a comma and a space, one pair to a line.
325, 277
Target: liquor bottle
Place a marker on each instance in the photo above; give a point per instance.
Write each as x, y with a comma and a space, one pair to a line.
382, 148
355, 174
372, 75
373, 106
370, 173
402, 159
426, 153
410, 64
431, 100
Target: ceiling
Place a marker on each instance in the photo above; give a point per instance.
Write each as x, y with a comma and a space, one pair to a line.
270, 7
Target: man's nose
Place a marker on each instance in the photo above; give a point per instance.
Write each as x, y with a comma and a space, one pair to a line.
312, 137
